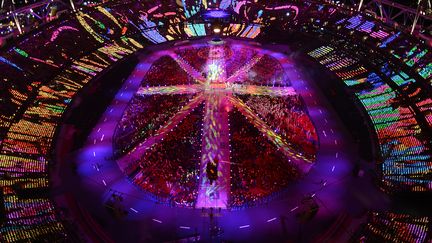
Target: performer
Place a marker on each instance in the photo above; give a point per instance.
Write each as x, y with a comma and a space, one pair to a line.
212, 171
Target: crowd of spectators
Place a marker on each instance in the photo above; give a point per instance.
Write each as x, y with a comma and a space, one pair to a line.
40, 76
392, 227
37, 59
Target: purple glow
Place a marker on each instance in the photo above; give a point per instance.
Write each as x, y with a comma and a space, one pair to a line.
216, 14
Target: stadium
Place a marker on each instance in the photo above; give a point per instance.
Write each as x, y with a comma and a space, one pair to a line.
215, 121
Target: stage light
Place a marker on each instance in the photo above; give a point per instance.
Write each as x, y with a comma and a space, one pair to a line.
216, 30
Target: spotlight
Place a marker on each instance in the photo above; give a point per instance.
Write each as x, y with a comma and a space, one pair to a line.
216, 30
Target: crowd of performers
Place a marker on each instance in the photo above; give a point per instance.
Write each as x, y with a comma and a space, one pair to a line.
169, 171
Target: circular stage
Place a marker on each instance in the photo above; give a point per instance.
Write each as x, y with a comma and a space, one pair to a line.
149, 159
211, 129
